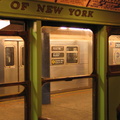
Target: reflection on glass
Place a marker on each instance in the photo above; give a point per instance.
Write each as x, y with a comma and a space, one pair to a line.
9, 56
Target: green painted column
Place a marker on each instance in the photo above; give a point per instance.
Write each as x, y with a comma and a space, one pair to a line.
36, 60
101, 71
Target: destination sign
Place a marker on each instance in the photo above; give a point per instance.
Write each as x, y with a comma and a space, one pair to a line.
72, 48
55, 55
57, 48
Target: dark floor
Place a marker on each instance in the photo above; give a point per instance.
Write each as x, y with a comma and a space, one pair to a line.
75, 105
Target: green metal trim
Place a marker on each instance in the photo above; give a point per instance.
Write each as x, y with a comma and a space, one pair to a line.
28, 9
36, 62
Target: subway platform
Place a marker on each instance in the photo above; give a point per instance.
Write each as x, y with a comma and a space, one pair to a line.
74, 105
12, 110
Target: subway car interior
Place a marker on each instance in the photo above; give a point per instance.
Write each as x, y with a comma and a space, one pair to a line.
58, 61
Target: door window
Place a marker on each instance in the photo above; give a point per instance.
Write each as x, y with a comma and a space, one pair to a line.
72, 54
9, 56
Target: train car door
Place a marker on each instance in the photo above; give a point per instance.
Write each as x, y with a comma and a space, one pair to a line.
13, 62
113, 73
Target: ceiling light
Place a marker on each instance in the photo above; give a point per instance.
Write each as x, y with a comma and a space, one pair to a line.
4, 23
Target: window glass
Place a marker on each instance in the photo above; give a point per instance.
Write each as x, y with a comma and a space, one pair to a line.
72, 54
9, 56
69, 51
114, 50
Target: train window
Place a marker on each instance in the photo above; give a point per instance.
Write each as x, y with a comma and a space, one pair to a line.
72, 54
67, 49
114, 50
67, 52
114, 53
9, 56
72, 57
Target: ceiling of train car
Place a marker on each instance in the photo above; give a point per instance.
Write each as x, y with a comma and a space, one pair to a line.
113, 5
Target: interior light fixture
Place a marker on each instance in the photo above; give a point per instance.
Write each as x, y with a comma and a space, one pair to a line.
13, 39
79, 29
74, 29
63, 28
4, 23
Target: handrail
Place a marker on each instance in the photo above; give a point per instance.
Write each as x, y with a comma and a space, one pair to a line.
13, 84
44, 80
13, 95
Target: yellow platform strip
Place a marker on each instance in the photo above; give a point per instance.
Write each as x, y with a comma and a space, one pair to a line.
70, 93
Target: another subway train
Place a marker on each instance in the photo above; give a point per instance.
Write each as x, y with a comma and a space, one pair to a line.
11, 63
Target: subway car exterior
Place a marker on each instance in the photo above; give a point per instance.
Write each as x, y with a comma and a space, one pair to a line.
64, 46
